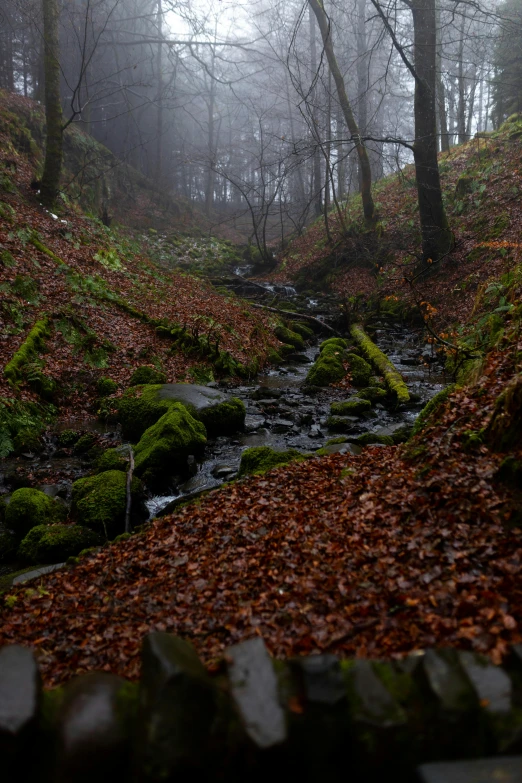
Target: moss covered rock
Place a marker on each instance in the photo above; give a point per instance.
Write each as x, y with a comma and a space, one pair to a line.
106, 386
352, 407
99, 502
55, 543
302, 329
289, 337
111, 459
373, 394
147, 375
339, 424
164, 448
326, 370
372, 438
30, 507
336, 343
360, 370
259, 459
142, 406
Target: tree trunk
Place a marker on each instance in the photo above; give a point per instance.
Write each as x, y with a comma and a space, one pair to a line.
441, 93
364, 163
362, 73
461, 117
53, 107
159, 116
316, 191
436, 236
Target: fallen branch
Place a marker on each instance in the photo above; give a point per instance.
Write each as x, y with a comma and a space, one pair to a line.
380, 361
297, 317
129, 485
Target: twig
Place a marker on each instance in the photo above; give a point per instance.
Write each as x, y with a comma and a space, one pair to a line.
129, 483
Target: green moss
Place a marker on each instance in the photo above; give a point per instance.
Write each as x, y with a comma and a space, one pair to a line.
350, 407
27, 351
472, 439
223, 419
326, 370
85, 443
369, 438
274, 357
302, 329
7, 259
164, 447
30, 507
289, 337
336, 441
99, 502
106, 386
510, 472
504, 430
373, 393
336, 342
111, 459
21, 424
380, 361
68, 438
339, 424
259, 459
431, 407
55, 543
147, 375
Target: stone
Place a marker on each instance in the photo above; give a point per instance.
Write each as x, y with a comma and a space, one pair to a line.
253, 423
94, 725
282, 425
30, 507
373, 704
447, 681
352, 407
254, 691
504, 769
177, 708
37, 572
490, 683
163, 449
322, 678
20, 697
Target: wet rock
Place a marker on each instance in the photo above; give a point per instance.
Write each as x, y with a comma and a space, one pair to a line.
265, 393
94, 729
282, 425
254, 691
315, 432
352, 407
223, 471
253, 423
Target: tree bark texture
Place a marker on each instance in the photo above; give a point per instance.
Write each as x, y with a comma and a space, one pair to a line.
53, 107
364, 162
436, 237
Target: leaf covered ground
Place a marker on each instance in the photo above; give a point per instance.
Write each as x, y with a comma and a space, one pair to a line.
376, 555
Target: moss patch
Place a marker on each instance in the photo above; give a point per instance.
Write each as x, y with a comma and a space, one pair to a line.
163, 448
147, 375
259, 459
350, 407
55, 543
99, 502
29, 508
289, 337
431, 407
333, 342
27, 351
326, 370
111, 459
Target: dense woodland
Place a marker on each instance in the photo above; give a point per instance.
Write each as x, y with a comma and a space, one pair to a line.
261, 343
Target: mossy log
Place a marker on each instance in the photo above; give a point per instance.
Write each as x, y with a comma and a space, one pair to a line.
380, 361
27, 351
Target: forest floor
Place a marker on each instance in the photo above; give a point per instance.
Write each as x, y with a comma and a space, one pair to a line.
375, 555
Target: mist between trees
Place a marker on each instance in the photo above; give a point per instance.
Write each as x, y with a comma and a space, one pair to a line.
269, 114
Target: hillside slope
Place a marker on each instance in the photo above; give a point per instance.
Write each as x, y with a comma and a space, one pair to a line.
81, 301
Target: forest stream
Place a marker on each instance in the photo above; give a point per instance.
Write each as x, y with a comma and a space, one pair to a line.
281, 412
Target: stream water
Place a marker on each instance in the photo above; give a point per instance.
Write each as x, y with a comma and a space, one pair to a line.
280, 412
